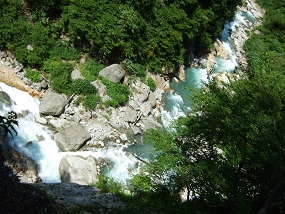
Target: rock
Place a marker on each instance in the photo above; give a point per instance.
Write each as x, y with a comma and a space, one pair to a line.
135, 129
71, 137
5, 98
76, 74
114, 73
78, 170
123, 137
44, 85
152, 99
181, 73
221, 51
102, 90
82, 198
24, 167
140, 91
145, 108
149, 123
40, 119
128, 114
53, 103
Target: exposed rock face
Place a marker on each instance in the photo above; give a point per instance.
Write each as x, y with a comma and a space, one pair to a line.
52, 103
114, 73
78, 170
71, 136
85, 198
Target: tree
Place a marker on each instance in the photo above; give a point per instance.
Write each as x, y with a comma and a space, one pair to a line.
222, 152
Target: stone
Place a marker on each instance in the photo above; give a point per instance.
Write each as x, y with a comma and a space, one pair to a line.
102, 90
135, 129
145, 108
5, 98
128, 114
76, 74
44, 85
150, 123
123, 137
71, 136
40, 119
52, 103
114, 73
152, 99
78, 170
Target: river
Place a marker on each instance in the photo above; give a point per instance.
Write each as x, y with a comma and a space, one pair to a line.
37, 142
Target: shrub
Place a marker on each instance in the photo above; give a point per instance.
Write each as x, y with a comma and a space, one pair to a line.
90, 70
134, 69
119, 93
60, 75
151, 83
84, 87
33, 74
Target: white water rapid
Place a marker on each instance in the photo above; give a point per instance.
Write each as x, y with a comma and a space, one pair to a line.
36, 141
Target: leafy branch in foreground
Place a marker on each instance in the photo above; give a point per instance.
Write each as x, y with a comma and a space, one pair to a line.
8, 123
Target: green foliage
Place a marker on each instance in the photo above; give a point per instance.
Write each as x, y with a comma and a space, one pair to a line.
60, 75
84, 87
63, 51
118, 93
151, 83
107, 184
134, 69
112, 30
33, 74
90, 70
8, 125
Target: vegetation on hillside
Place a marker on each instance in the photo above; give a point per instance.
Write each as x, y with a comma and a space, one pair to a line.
228, 154
153, 33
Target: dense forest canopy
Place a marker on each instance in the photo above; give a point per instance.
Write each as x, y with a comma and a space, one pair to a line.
154, 33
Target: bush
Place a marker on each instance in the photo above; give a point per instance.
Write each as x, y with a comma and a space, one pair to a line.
90, 70
33, 74
119, 93
134, 69
62, 51
107, 184
151, 83
84, 87
60, 75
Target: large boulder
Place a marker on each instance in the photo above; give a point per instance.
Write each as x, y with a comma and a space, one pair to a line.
78, 170
5, 98
114, 73
53, 103
71, 136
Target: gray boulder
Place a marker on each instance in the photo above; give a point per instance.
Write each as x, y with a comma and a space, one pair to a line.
71, 136
102, 90
114, 72
5, 98
78, 170
76, 74
53, 103
128, 114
